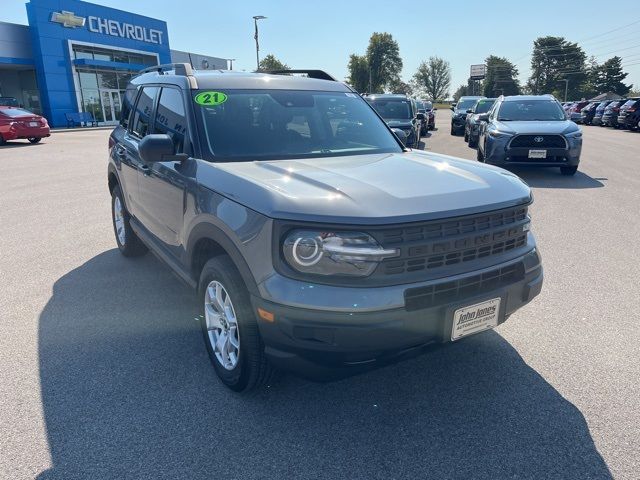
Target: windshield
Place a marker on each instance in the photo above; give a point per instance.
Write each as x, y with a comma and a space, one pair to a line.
524, 110
391, 109
483, 106
629, 103
9, 101
466, 104
279, 124
15, 112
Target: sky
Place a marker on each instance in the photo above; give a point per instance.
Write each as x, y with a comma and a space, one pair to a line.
306, 34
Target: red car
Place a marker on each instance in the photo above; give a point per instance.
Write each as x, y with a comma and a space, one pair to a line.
19, 123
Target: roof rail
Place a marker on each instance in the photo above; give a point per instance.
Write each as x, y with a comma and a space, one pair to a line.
182, 69
318, 74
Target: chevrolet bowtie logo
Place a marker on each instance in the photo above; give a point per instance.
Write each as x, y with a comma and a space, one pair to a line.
67, 19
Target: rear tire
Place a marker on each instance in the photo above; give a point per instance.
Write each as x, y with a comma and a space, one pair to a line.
453, 130
128, 242
473, 142
34, 139
243, 366
568, 170
466, 135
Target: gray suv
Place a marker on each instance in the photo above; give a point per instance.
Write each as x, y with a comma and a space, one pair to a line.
315, 240
529, 130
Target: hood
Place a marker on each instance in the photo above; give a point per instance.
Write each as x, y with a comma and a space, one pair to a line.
366, 189
533, 127
399, 123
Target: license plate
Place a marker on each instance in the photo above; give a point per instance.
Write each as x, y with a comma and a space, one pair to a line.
34, 124
475, 318
537, 154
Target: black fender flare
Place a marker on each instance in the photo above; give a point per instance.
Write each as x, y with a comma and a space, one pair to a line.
213, 232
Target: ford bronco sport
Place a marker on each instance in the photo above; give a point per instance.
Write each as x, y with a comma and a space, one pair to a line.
315, 240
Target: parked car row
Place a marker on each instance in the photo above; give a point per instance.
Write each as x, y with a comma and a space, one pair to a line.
519, 130
409, 119
624, 113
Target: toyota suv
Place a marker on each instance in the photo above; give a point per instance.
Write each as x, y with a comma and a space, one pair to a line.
459, 114
530, 130
315, 240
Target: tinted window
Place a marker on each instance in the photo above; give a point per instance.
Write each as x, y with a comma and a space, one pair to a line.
483, 106
127, 104
144, 109
278, 124
629, 103
171, 118
466, 104
520, 110
392, 108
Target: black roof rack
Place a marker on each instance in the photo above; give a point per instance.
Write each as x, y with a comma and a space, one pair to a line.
318, 74
182, 69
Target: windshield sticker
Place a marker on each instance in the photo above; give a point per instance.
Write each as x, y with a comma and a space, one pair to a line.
210, 99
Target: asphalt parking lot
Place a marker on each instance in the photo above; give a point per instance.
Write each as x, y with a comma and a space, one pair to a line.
103, 371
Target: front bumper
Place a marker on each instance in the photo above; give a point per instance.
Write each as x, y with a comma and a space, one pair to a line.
321, 343
458, 121
499, 152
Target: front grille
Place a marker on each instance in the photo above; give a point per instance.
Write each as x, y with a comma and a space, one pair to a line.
436, 244
447, 292
538, 141
525, 159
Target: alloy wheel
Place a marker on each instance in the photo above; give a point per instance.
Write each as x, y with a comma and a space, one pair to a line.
222, 325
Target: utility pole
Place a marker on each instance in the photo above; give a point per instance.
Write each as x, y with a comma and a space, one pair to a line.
566, 87
255, 22
231, 60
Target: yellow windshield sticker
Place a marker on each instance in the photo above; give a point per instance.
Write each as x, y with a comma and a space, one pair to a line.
210, 99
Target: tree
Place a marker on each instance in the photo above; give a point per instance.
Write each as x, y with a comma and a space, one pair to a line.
270, 62
461, 91
434, 77
608, 77
358, 73
554, 60
398, 86
501, 78
383, 60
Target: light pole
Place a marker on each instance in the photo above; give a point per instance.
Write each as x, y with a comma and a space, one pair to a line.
255, 22
231, 60
566, 87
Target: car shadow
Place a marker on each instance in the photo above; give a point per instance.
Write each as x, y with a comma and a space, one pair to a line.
541, 177
128, 392
17, 144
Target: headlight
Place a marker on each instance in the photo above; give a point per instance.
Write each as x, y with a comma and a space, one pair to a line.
334, 253
577, 134
498, 134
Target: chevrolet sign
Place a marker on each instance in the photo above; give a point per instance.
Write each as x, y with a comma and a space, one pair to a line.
67, 19
106, 26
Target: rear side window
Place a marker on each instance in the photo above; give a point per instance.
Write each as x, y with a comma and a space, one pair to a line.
127, 106
171, 118
143, 111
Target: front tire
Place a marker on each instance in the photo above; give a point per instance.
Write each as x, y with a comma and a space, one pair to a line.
473, 142
128, 242
230, 328
34, 139
466, 136
568, 170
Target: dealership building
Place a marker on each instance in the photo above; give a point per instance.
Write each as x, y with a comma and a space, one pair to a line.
75, 56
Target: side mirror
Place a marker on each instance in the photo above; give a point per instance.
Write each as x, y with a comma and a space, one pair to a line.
156, 148
469, 111
434, 108
453, 107
483, 117
400, 134
420, 116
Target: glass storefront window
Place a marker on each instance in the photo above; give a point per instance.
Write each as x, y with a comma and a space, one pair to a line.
91, 103
107, 80
88, 79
